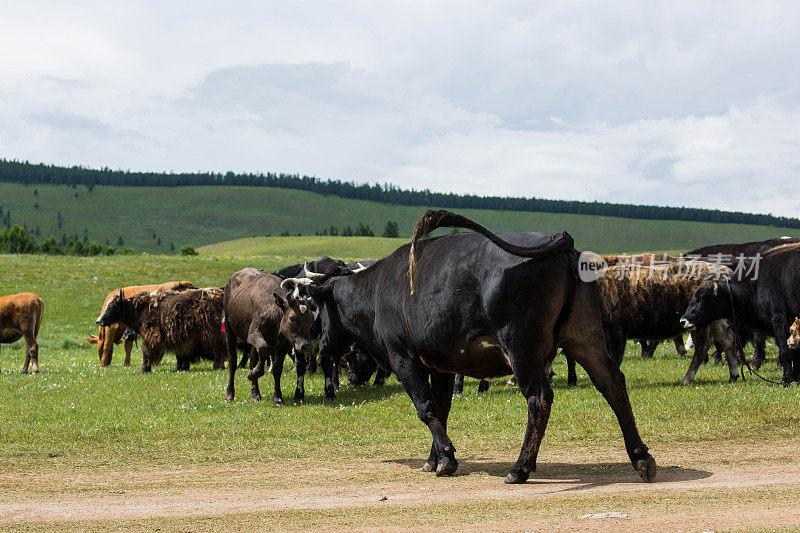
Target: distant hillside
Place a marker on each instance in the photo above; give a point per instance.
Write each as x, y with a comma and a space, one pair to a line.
40, 174
206, 215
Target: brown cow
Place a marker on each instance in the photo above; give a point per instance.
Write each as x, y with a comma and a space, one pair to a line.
21, 316
263, 317
184, 322
112, 334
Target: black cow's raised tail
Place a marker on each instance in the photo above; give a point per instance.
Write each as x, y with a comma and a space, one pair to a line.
432, 220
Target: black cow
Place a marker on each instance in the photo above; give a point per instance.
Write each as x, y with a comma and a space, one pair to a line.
263, 317
728, 255
767, 302
483, 308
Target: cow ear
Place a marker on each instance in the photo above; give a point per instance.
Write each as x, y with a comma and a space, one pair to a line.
716, 288
280, 302
121, 294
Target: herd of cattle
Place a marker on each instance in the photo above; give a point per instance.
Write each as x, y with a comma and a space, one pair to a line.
475, 304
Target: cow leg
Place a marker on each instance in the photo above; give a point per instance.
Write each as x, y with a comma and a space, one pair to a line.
230, 342
701, 340
648, 348
335, 375
277, 370
527, 362
442, 391
780, 326
759, 342
584, 341
380, 377
128, 350
149, 355
300, 390
1, 349
483, 386
572, 376
458, 386
680, 349
108, 346
312, 362
414, 378
616, 346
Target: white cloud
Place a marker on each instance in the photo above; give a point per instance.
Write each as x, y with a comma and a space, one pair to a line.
663, 103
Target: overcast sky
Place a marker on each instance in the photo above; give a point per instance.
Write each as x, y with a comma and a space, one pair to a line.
638, 102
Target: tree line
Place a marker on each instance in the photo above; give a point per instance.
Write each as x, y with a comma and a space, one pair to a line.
29, 173
16, 240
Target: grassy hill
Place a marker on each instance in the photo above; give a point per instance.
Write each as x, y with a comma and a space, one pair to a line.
206, 215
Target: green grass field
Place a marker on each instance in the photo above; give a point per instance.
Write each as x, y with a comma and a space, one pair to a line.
207, 215
73, 406
75, 422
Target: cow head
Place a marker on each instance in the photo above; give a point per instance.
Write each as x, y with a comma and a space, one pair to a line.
710, 302
794, 335
360, 366
298, 315
113, 311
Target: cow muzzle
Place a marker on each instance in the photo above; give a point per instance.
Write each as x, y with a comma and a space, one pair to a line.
686, 323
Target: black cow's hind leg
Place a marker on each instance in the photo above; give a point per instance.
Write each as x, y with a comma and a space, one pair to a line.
442, 389
700, 355
527, 362
483, 385
680, 348
588, 349
414, 378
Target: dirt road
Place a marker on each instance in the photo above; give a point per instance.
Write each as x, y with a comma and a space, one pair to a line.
701, 487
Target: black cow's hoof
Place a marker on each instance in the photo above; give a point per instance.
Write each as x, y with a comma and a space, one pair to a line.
299, 395
446, 468
229, 397
733, 379
515, 478
330, 393
428, 467
277, 401
646, 468
255, 397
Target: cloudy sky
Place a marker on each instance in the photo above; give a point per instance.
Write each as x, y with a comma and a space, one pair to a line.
639, 102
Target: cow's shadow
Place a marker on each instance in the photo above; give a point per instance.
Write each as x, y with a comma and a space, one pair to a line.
573, 476
346, 395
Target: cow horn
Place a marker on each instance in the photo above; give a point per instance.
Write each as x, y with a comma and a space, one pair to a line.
360, 268
294, 282
313, 276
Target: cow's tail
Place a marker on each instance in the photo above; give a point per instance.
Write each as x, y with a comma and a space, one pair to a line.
432, 220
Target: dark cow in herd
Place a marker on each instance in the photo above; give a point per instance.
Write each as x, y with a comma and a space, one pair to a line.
21, 317
108, 336
263, 317
185, 322
646, 303
767, 302
482, 305
730, 255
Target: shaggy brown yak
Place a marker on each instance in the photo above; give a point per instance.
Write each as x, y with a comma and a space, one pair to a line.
21, 316
186, 323
108, 336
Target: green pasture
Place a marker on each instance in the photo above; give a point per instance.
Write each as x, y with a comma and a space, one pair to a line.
206, 215
77, 415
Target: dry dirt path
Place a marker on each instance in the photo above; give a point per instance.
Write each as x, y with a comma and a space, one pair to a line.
729, 485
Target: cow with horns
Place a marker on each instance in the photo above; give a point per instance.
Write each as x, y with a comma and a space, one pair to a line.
265, 319
482, 305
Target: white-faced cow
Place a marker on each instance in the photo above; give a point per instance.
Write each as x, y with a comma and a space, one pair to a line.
482, 305
21, 317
